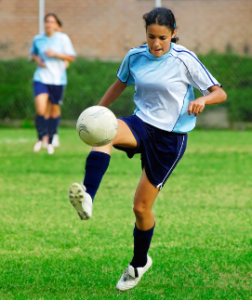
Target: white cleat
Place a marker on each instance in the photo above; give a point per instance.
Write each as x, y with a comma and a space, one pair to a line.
45, 141
81, 201
50, 149
37, 146
132, 276
55, 141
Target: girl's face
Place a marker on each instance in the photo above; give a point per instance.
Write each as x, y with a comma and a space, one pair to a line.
159, 39
50, 25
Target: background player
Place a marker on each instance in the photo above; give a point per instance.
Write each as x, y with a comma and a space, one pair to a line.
55, 111
49, 51
164, 75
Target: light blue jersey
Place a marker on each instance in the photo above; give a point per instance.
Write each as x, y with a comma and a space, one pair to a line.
164, 85
55, 71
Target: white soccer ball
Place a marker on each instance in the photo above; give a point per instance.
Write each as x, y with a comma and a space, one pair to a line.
97, 126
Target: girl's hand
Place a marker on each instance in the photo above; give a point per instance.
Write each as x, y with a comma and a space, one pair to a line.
217, 95
196, 106
50, 53
40, 62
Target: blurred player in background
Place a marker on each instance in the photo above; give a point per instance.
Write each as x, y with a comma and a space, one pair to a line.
54, 111
49, 50
164, 75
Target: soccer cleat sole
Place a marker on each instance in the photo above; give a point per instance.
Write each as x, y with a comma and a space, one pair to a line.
76, 196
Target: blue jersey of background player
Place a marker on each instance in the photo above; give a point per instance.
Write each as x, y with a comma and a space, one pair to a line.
54, 69
163, 74
50, 51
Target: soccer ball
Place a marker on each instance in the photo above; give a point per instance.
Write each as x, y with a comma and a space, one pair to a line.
97, 126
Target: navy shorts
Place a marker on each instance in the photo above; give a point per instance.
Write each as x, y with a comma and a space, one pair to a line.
160, 150
55, 92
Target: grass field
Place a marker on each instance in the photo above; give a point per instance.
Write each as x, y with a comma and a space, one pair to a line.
201, 249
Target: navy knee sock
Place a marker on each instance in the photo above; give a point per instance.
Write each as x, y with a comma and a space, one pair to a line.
46, 126
142, 240
40, 126
52, 125
96, 165
57, 123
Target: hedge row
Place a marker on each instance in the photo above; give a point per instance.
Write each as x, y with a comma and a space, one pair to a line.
89, 80
235, 74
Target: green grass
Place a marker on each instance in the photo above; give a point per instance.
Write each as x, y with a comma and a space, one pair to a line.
201, 249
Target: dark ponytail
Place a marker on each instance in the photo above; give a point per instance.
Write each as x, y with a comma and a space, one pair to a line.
163, 17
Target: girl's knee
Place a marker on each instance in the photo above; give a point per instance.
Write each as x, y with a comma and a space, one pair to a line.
55, 111
40, 111
141, 211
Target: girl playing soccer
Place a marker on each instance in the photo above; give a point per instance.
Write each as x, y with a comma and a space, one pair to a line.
164, 75
49, 50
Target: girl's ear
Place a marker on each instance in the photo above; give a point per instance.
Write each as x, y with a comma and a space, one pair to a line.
174, 33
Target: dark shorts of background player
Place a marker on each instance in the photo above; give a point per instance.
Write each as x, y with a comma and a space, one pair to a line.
160, 150
55, 92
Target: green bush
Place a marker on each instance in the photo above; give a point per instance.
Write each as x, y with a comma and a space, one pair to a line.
235, 74
16, 89
87, 83
89, 80
240, 105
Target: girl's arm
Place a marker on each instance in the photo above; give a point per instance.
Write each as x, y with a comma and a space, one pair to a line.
38, 60
61, 56
217, 95
113, 93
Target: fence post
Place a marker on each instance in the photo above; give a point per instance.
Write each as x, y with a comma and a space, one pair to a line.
41, 15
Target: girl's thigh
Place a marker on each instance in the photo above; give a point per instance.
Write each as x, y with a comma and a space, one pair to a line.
123, 138
41, 101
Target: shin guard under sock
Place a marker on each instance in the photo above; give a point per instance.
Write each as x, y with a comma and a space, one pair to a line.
40, 126
52, 125
96, 165
46, 126
142, 240
57, 124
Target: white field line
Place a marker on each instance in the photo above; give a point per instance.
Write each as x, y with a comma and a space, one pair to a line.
13, 141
